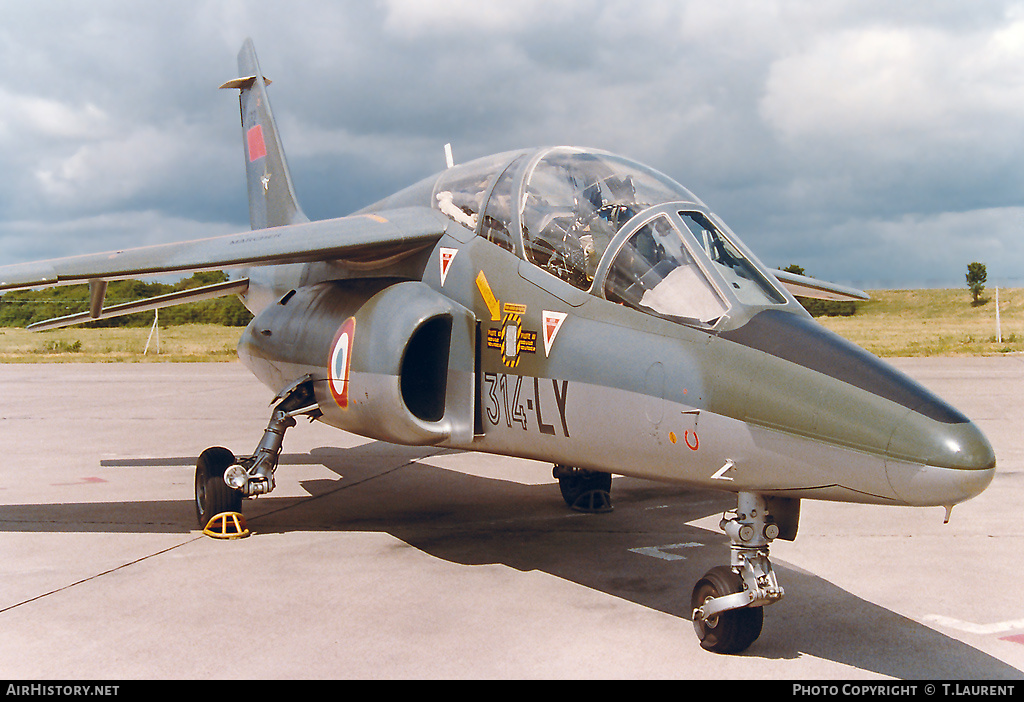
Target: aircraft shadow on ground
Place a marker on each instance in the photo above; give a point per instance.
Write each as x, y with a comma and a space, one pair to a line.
470, 520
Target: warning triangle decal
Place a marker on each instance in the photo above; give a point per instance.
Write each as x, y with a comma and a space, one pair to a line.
552, 323
447, 255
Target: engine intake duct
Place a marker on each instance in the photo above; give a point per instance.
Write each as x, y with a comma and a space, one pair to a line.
391, 360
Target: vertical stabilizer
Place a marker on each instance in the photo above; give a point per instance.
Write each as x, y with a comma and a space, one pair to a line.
272, 200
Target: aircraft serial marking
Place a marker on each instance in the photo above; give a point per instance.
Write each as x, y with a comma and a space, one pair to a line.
505, 401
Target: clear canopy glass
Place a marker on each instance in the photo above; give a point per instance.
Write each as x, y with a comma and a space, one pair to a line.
746, 283
563, 208
655, 272
575, 201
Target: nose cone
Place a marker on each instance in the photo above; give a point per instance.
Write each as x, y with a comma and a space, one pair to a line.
933, 454
937, 463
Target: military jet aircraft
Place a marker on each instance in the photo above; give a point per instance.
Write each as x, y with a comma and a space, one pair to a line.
566, 305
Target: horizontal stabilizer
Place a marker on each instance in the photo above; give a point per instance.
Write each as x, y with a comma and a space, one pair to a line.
360, 238
180, 297
244, 83
804, 286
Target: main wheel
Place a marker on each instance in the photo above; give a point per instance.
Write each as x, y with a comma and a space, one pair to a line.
213, 495
575, 483
731, 631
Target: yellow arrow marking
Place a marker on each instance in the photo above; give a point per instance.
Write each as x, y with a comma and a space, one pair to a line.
489, 299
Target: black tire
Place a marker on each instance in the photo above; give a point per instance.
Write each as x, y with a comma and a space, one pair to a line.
573, 484
213, 495
734, 630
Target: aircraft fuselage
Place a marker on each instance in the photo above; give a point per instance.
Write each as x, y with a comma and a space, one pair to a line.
598, 385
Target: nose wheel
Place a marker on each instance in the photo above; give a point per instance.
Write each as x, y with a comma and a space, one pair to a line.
733, 630
728, 602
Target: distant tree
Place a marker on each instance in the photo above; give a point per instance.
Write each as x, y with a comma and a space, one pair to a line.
976, 277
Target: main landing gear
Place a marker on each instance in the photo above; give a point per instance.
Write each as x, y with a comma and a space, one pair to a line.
584, 490
222, 480
728, 601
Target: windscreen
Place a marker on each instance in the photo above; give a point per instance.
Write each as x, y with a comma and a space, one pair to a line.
655, 273
747, 283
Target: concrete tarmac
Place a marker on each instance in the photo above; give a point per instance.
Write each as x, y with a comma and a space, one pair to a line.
376, 561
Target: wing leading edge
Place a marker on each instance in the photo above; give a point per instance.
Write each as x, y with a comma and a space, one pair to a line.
358, 237
207, 292
803, 286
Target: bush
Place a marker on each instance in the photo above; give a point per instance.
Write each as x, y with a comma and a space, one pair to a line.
828, 308
61, 346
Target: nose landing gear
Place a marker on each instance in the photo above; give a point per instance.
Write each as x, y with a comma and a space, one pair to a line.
222, 480
728, 601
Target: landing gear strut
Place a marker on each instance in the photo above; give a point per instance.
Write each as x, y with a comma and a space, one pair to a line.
727, 602
222, 480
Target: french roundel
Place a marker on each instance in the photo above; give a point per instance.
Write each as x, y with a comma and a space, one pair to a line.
341, 361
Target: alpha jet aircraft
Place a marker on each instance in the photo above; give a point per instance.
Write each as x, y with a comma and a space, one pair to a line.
565, 305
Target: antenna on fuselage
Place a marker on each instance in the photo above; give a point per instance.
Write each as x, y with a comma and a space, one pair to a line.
448, 155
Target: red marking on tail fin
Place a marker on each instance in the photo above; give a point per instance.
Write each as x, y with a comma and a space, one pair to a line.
257, 147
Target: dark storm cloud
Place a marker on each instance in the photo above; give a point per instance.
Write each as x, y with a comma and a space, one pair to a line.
870, 142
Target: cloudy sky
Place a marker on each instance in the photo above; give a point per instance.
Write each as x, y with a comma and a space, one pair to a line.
879, 144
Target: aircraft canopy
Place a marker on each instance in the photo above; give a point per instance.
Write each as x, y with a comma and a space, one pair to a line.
564, 208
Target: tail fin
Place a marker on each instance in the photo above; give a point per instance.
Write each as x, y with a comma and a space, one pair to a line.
272, 200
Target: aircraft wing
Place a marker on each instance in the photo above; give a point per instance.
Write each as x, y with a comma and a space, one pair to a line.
207, 292
804, 286
359, 238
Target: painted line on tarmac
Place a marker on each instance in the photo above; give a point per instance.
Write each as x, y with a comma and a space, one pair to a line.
100, 575
663, 551
83, 481
972, 628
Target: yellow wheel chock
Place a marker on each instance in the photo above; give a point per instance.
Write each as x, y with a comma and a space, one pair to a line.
227, 525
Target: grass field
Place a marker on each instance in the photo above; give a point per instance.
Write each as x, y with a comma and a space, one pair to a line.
934, 323
893, 323
185, 343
